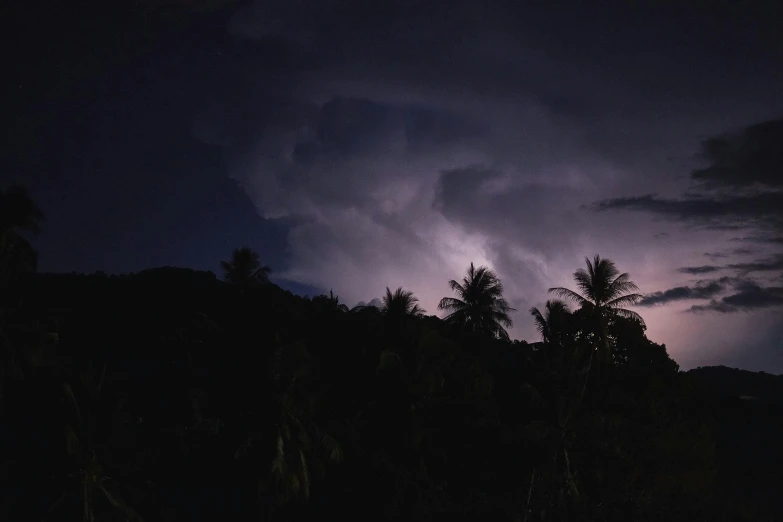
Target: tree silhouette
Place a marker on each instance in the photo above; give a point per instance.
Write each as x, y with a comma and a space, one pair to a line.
300, 444
479, 306
401, 303
18, 214
603, 291
245, 269
551, 324
330, 303
92, 484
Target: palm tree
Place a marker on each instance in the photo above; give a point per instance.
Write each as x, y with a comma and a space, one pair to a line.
551, 324
92, 483
299, 441
479, 306
300, 445
401, 303
18, 213
245, 269
603, 292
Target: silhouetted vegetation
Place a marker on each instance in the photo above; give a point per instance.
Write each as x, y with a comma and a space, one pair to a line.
171, 395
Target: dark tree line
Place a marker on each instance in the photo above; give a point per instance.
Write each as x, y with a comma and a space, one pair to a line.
170, 395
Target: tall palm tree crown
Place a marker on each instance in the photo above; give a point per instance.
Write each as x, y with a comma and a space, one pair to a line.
603, 289
479, 306
245, 269
401, 303
603, 292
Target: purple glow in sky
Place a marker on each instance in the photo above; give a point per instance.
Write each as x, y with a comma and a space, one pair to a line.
408, 145
393, 143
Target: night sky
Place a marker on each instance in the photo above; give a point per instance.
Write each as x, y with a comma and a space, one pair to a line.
360, 144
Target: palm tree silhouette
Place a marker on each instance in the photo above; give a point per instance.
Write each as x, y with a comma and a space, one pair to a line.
299, 442
18, 214
401, 303
245, 269
92, 483
479, 306
603, 291
551, 324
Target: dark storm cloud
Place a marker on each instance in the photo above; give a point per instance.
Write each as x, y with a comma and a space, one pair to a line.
741, 183
748, 296
752, 155
772, 263
729, 253
706, 269
458, 187
769, 240
352, 126
719, 212
713, 306
703, 291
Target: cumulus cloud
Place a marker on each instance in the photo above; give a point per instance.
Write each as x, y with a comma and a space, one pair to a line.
374, 302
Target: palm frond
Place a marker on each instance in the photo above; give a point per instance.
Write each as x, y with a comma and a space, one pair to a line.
567, 293
591, 267
72, 401
603, 268
502, 334
622, 285
624, 300
117, 503
332, 447
305, 471
451, 303
71, 440
457, 287
279, 466
541, 323
629, 314
585, 283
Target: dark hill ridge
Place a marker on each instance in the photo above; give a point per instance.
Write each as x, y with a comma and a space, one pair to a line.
747, 412
727, 382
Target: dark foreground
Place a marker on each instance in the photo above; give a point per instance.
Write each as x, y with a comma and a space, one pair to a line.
169, 395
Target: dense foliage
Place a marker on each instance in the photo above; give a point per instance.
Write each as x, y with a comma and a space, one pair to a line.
170, 395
